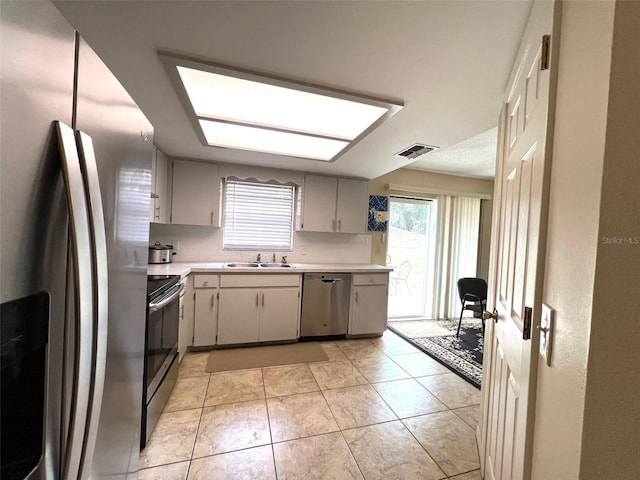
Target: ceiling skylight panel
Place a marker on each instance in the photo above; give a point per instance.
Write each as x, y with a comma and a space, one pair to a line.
223, 97
270, 141
245, 110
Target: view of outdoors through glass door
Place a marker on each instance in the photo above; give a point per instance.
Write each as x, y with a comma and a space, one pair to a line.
411, 251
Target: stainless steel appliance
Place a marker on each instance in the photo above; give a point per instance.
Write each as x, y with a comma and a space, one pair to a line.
74, 232
161, 253
161, 348
325, 304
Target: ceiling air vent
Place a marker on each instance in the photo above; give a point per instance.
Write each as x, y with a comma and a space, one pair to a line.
416, 150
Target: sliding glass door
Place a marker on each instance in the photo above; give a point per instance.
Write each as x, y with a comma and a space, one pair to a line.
411, 250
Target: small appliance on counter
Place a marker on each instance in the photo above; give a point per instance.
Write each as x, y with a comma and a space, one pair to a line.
160, 253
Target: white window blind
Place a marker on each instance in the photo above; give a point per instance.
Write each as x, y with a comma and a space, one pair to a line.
257, 215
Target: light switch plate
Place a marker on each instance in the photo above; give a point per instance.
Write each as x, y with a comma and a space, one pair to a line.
546, 332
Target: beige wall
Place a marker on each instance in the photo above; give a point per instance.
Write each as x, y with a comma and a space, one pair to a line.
588, 400
428, 180
611, 432
572, 240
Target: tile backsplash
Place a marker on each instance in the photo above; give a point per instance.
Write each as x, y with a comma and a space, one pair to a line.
204, 244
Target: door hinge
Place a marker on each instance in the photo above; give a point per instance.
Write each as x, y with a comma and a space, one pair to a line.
526, 327
546, 52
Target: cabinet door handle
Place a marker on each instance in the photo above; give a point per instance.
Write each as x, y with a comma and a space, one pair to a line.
211, 218
257, 299
212, 297
339, 225
263, 299
356, 296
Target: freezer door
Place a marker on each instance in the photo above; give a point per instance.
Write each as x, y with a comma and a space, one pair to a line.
37, 65
122, 143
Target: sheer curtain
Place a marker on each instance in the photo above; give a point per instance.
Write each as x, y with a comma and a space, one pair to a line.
463, 248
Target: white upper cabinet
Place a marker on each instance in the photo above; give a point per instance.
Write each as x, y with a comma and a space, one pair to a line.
196, 193
319, 203
159, 187
334, 204
352, 204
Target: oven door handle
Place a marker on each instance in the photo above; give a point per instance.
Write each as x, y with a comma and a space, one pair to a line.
153, 307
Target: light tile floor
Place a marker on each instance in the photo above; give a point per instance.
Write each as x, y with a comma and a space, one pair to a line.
378, 409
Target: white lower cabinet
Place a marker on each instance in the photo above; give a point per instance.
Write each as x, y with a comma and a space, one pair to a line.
185, 330
206, 310
230, 309
239, 316
369, 304
258, 308
279, 310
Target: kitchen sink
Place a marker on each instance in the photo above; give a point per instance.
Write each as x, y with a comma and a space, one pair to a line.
257, 265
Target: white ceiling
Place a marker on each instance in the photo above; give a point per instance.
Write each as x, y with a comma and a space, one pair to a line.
448, 61
473, 157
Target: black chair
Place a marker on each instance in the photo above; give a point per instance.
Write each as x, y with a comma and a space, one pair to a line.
473, 295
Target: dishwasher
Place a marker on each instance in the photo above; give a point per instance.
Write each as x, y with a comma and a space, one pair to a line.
325, 304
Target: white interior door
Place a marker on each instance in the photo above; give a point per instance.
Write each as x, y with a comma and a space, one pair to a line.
518, 256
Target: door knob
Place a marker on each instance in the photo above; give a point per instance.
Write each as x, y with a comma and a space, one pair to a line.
486, 315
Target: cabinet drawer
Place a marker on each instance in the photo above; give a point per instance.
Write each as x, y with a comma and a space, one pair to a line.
205, 281
266, 280
370, 278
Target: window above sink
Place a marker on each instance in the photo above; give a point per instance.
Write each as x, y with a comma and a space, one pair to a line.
258, 215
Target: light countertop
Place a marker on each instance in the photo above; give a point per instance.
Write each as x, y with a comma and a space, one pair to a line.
185, 268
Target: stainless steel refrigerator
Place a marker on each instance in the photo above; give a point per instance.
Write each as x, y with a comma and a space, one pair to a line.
75, 185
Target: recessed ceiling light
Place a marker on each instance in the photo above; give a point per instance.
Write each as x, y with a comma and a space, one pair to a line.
238, 109
246, 137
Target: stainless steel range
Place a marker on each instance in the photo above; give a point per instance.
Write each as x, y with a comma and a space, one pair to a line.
161, 348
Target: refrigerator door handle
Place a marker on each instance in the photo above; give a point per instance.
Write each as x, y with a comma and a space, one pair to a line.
100, 291
81, 264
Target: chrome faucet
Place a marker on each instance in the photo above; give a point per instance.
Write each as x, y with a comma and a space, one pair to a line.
258, 258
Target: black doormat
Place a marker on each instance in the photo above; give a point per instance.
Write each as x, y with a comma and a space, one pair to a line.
463, 355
